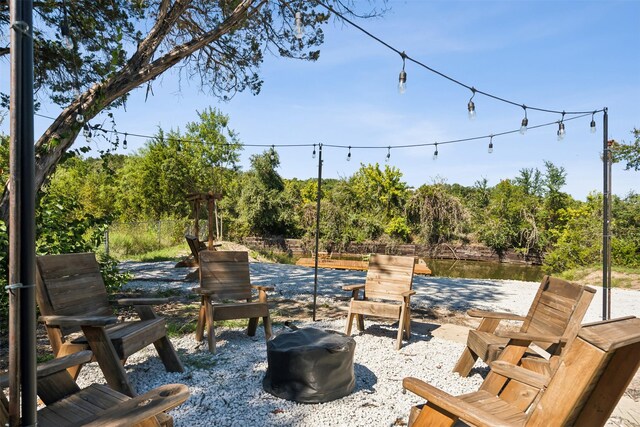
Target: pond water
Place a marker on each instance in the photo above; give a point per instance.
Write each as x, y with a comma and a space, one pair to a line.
484, 270
474, 269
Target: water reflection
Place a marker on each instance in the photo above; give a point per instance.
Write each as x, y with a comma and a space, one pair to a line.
484, 270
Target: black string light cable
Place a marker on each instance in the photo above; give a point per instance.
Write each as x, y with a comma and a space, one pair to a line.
406, 57
272, 147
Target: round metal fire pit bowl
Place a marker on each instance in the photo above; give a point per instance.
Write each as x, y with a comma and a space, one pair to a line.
310, 365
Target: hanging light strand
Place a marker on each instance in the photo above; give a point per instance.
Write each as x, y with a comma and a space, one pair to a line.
441, 74
525, 121
402, 79
471, 107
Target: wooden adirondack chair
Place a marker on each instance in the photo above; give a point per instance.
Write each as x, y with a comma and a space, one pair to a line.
556, 312
224, 275
96, 405
195, 245
72, 297
389, 278
583, 390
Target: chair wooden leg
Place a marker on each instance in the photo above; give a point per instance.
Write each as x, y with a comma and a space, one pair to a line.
108, 360
211, 332
360, 322
266, 322
433, 416
350, 317
168, 355
401, 325
68, 348
201, 321
466, 362
253, 326
407, 324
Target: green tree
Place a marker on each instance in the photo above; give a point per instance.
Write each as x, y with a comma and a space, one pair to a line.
121, 45
629, 153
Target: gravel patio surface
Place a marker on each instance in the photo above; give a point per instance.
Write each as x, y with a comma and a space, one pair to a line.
226, 388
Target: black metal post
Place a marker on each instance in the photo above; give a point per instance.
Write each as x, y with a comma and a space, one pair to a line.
606, 219
315, 274
22, 209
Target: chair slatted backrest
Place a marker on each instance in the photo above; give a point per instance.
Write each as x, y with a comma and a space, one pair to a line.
226, 273
558, 308
388, 276
194, 246
71, 285
592, 376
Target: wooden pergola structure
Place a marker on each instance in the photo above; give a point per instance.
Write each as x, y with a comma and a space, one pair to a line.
209, 199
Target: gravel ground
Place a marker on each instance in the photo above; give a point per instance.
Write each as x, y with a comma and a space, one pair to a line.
226, 388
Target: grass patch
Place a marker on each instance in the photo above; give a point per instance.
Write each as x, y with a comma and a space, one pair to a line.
176, 329
41, 358
621, 277
171, 253
277, 257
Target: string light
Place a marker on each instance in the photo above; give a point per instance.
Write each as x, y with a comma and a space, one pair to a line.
313, 155
525, 121
490, 150
86, 132
124, 143
561, 131
67, 41
435, 153
402, 80
441, 74
272, 155
471, 106
349, 155
592, 126
388, 154
299, 27
80, 116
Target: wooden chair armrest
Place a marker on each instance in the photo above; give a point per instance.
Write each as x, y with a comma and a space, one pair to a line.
141, 301
525, 336
142, 407
452, 404
62, 321
519, 373
495, 315
352, 287
263, 288
55, 365
408, 293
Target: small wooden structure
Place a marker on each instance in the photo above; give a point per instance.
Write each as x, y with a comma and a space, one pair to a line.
389, 278
582, 390
72, 297
67, 405
554, 317
224, 275
209, 198
345, 264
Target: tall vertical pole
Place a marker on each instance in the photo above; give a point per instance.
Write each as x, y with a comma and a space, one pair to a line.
606, 218
22, 217
315, 274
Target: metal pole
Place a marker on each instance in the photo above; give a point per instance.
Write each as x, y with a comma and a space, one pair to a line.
315, 274
606, 218
22, 212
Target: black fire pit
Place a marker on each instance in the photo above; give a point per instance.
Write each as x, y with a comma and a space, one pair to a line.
310, 365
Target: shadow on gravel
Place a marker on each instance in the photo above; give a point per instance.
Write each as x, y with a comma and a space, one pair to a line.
365, 379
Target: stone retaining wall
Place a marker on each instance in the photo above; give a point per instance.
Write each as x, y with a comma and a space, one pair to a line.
475, 252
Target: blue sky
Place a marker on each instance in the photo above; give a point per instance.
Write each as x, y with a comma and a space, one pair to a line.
571, 55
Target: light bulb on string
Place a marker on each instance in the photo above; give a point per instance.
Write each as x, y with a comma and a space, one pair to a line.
299, 27
471, 107
592, 126
490, 150
388, 154
124, 143
313, 155
525, 122
86, 132
402, 80
561, 132
349, 155
272, 154
67, 41
80, 117
435, 153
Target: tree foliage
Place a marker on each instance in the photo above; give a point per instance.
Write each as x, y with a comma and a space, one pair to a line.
628, 153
